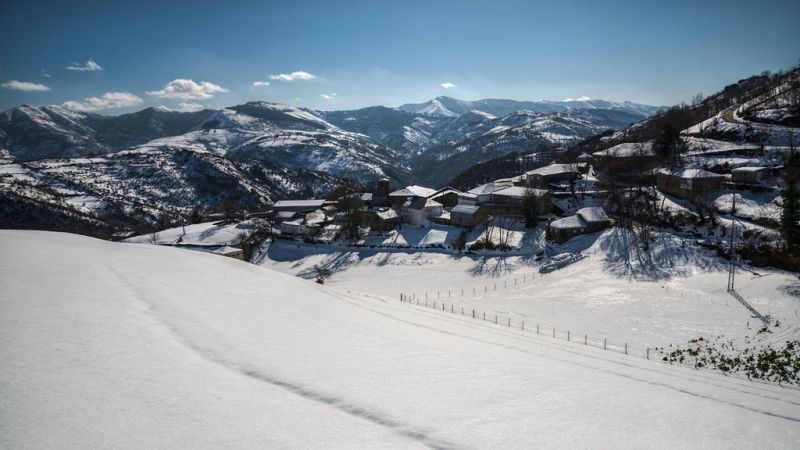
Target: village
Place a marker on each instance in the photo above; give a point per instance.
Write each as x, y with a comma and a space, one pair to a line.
627, 184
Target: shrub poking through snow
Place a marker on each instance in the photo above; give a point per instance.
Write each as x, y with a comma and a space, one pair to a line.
778, 364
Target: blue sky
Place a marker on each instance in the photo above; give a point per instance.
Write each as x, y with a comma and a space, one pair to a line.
111, 58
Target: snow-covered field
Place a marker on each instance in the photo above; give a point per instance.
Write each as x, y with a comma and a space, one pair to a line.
673, 294
141, 346
206, 233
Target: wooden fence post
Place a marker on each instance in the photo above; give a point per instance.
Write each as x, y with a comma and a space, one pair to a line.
537, 328
495, 319
586, 339
523, 325
626, 348
473, 313
484, 315
648, 352
567, 334
509, 322
604, 343
554, 332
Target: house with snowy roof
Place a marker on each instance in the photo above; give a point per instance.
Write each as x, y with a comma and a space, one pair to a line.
483, 193
509, 201
468, 216
585, 220
749, 175
297, 205
447, 196
386, 220
355, 200
412, 191
543, 176
420, 211
688, 183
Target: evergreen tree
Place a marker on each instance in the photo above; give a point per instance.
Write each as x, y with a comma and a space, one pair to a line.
669, 146
790, 216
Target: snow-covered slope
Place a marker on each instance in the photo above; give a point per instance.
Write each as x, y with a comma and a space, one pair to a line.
141, 346
477, 141
31, 133
666, 296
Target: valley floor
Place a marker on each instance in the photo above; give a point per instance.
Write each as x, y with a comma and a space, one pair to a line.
142, 346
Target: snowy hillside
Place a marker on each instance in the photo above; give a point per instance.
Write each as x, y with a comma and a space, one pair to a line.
197, 350
518, 132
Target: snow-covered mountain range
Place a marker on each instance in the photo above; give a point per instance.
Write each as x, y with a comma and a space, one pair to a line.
134, 166
450, 107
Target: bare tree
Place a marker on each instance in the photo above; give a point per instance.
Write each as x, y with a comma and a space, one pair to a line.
228, 208
322, 273
351, 223
244, 242
532, 206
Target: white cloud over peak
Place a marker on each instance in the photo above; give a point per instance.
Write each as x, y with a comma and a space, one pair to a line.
89, 66
109, 100
299, 75
448, 85
330, 96
189, 107
583, 99
187, 89
260, 83
24, 86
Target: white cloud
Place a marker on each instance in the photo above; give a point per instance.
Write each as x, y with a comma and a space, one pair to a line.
45, 74
448, 85
183, 107
330, 96
583, 99
24, 86
189, 107
186, 89
260, 83
568, 99
109, 100
90, 66
299, 75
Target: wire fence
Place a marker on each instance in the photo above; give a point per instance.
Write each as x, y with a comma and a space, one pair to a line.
528, 326
481, 290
